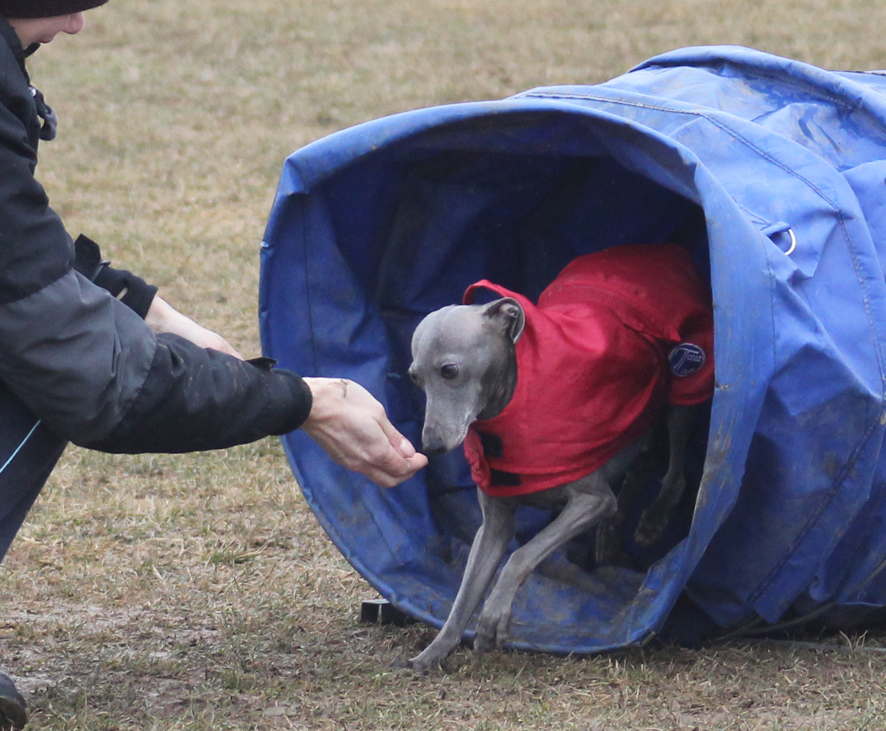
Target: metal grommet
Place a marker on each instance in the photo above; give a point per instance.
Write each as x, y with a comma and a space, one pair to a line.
793, 242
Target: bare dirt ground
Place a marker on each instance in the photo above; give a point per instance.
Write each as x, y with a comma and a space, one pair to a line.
187, 598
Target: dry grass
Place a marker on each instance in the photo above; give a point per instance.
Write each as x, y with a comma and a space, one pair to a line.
198, 592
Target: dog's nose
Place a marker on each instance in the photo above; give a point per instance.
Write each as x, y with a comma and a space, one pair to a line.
433, 445
434, 449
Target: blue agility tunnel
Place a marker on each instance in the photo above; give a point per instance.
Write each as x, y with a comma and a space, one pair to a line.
772, 173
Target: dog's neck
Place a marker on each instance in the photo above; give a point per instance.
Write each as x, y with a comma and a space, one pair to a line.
500, 386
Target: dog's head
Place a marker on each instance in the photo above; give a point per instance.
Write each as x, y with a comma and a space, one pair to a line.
463, 359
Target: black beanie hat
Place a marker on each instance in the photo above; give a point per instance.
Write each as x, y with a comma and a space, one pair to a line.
45, 8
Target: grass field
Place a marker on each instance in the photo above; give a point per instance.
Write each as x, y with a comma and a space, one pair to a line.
198, 592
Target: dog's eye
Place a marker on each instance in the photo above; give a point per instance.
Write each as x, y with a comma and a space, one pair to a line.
449, 371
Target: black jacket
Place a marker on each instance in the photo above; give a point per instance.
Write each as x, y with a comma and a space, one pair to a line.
84, 362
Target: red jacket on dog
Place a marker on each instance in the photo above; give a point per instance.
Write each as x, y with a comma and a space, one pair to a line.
614, 337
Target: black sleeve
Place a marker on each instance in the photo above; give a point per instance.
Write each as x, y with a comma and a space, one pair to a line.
81, 360
196, 399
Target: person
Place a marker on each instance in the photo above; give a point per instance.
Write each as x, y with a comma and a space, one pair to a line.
91, 354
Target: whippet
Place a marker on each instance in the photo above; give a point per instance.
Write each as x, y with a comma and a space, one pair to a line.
555, 402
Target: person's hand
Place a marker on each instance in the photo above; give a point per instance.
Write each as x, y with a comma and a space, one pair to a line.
351, 425
164, 318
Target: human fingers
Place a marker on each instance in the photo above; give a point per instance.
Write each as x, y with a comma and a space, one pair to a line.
392, 475
383, 454
396, 439
353, 428
399, 469
407, 461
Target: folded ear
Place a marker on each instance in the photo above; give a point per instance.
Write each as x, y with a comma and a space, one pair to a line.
507, 314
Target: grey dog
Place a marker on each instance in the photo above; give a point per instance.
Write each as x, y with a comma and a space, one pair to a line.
464, 359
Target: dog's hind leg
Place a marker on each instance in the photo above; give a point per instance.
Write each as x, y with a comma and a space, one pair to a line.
655, 518
590, 500
487, 551
608, 543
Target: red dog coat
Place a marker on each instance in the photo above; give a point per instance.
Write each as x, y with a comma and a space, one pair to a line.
593, 366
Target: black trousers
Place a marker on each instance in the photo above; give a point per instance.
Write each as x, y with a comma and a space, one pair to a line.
28, 453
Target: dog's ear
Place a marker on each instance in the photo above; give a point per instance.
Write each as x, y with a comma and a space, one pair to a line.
508, 315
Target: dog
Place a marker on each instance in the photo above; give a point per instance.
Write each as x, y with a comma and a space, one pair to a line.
555, 402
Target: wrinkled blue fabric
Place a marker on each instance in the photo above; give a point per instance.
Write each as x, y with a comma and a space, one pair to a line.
783, 167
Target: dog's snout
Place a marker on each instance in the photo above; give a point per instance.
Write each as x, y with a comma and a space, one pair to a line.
436, 440
434, 447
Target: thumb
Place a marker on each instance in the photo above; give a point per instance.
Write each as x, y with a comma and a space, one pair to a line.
397, 440
405, 448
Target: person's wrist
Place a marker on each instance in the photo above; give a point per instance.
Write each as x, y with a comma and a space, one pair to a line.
325, 392
158, 315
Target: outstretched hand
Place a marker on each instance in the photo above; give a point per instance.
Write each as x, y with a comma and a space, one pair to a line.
352, 427
345, 419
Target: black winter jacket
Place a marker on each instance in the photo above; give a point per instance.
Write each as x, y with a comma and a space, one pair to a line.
84, 362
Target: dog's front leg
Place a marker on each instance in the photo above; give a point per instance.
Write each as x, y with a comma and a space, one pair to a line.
655, 518
487, 551
588, 504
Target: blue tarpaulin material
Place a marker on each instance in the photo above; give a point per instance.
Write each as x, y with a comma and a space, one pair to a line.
772, 172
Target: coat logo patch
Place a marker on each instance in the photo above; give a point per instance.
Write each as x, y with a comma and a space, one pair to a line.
686, 359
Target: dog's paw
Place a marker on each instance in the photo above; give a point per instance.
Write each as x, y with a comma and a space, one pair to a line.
485, 640
430, 659
651, 528
492, 629
417, 665
400, 663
